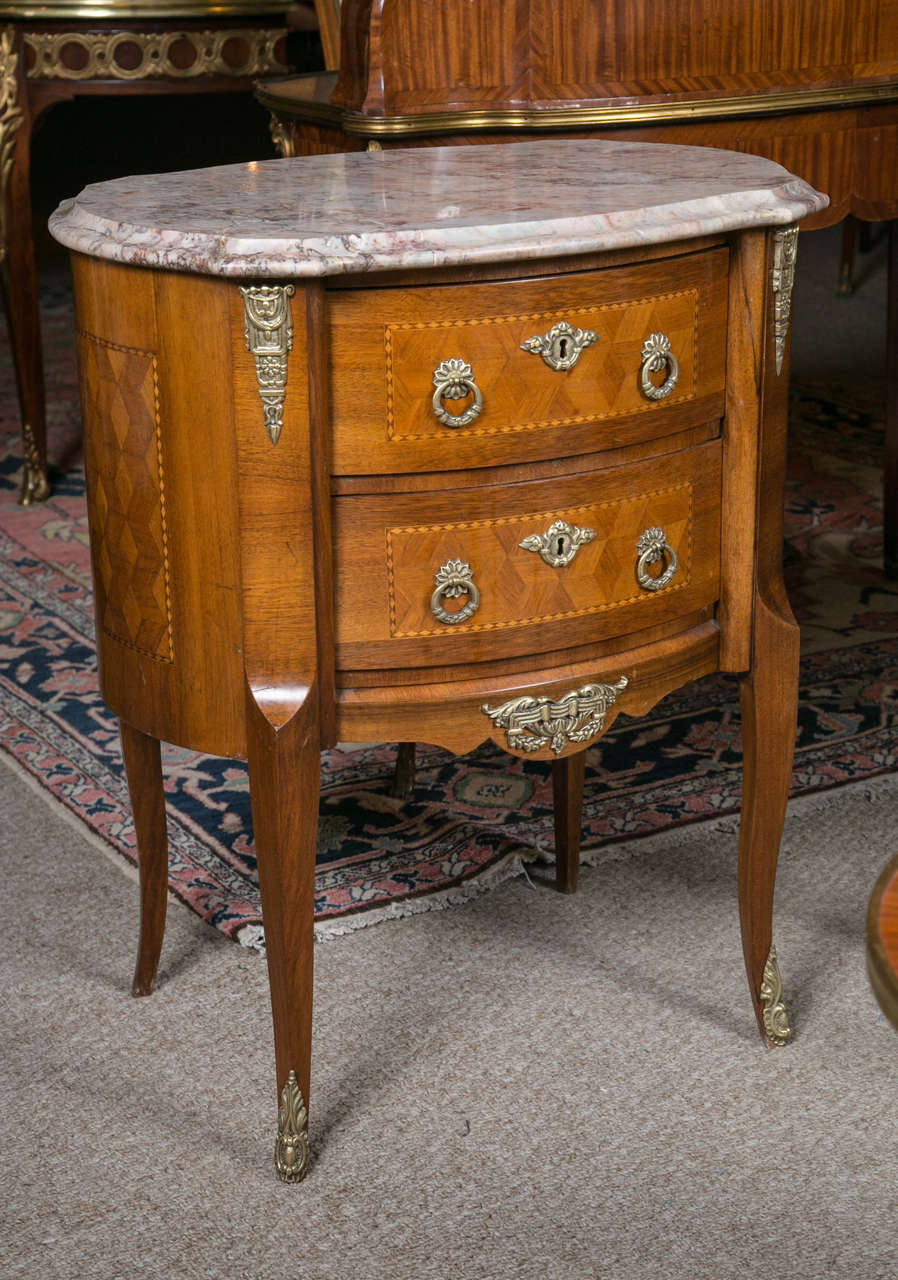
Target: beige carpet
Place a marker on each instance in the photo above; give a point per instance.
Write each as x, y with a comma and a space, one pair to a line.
527, 1086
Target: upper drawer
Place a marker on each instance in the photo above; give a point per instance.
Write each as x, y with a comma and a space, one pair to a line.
387, 346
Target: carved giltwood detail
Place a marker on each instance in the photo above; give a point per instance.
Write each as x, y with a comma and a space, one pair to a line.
11, 117
291, 1148
776, 1019
785, 252
531, 724
269, 337
99, 51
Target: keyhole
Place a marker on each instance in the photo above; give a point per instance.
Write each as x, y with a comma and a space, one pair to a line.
562, 546
562, 348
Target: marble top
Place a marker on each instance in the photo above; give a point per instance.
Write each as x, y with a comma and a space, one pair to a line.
424, 207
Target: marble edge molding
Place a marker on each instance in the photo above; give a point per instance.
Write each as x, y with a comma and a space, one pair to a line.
253, 256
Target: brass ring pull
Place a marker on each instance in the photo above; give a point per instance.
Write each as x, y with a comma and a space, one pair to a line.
652, 547
455, 379
454, 579
657, 355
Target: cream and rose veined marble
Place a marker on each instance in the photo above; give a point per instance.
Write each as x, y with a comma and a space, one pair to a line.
437, 206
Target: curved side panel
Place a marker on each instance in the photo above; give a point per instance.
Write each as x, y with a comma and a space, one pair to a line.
155, 358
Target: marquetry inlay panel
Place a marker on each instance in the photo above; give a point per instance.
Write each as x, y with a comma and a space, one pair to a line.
519, 392
517, 587
126, 488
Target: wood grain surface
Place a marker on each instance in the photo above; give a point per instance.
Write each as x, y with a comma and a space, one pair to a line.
394, 340
403, 57
265, 599
389, 550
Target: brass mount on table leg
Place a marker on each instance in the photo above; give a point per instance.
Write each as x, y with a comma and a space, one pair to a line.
776, 1019
291, 1148
35, 485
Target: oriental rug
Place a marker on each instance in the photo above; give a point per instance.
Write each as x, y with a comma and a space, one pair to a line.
471, 819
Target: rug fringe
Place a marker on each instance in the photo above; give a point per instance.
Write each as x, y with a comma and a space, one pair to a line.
507, 868
252, 936
729, 824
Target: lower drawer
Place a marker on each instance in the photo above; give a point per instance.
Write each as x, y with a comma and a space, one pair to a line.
483, 573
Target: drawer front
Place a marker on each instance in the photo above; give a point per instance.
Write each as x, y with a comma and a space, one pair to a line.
444, 577
464, 375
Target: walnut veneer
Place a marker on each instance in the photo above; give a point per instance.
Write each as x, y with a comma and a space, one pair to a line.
263, 596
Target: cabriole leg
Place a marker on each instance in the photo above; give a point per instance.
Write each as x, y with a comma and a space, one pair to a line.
143, 767
768, 694
284, 774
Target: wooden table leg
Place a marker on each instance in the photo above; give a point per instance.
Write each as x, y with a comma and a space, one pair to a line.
403, 783
285, 779
18, 275
567, 794
143, 766
890, 462
847, 257
769, 699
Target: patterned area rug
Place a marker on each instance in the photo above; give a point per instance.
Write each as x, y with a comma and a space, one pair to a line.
472, 819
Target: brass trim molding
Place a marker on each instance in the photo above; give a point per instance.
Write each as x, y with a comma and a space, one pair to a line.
269, 337
291, 1147
531, 724
11, 117
155, 54
124, 11
785, 252
776, 1019
695, 110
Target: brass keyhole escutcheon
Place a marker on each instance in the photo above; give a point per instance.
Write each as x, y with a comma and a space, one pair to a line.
558, 545
562, 346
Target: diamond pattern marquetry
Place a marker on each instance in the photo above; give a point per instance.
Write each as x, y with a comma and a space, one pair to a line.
126, 488
519, 587
519, 391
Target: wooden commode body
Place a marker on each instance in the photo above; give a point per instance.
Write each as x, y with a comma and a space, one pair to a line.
443, 445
